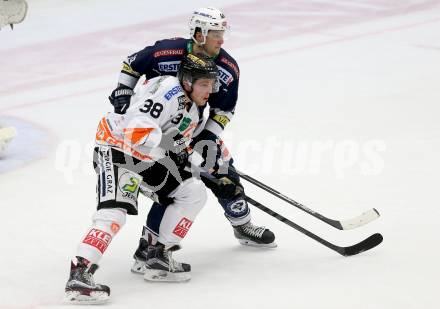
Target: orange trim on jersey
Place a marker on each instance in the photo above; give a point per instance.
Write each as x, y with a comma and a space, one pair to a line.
135, 135
104, 134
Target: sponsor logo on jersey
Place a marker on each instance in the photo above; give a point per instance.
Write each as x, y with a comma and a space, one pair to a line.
129, 185
224, 76
98, 239
184, 124
182, 227
223, 120
169, 52
169, 66
173, 92
230, 64
107, 175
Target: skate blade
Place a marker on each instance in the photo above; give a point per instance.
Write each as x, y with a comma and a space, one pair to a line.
250, 243
138, 267
157, 275
95, 298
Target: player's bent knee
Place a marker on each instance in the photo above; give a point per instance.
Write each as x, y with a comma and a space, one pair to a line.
192, 192
115, 218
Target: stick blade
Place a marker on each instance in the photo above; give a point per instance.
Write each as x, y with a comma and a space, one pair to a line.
360, 220
367, 244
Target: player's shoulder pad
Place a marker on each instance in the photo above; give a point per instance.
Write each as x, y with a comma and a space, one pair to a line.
227, 62
170, 47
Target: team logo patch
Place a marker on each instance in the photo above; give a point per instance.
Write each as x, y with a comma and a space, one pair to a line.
238, 208
182, 227
169, 66
115, 227
128, 184
98, 239
168, 52
182, 102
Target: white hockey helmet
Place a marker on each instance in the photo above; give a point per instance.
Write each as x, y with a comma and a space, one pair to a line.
206, 19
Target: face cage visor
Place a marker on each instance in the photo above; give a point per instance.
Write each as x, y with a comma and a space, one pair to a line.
191, 78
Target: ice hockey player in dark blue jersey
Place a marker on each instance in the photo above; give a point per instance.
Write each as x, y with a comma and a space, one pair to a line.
208, 28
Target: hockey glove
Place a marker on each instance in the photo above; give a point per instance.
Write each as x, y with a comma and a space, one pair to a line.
120, 98
206, 143
225, 188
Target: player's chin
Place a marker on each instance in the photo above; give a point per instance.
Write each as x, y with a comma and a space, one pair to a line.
202, 102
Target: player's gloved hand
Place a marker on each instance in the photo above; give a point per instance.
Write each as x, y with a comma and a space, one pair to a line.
206, 143
174, 144
120, 98
226, 188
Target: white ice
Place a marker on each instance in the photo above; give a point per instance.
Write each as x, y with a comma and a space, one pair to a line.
338, 108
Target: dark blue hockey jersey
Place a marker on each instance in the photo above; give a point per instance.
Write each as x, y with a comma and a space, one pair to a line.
164, 57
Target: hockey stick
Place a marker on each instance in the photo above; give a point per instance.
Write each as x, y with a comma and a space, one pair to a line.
364, 245
356, 222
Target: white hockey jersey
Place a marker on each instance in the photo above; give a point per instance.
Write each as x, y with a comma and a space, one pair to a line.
158, 105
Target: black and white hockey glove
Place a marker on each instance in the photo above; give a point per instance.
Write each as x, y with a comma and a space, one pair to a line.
120, 98
225, 188
206, 144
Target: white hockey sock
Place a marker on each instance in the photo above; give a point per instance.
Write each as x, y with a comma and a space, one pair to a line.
189, 198
106, 223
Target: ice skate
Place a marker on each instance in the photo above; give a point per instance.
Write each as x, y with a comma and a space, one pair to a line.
140, 257
81, 288
160, 265
255, 236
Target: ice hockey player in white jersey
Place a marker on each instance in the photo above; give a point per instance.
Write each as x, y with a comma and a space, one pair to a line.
208, 28
145, 149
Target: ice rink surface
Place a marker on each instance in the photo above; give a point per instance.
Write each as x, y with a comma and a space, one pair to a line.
338, 108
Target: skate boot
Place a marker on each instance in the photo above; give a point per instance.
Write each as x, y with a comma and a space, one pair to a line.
81, 288
140, 257
256, 236
160, 265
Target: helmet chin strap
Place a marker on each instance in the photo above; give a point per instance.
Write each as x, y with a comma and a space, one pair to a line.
197, 42
201, 46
